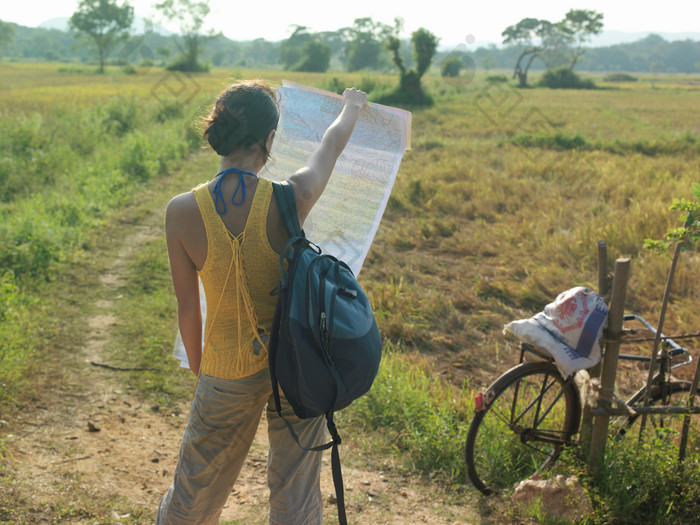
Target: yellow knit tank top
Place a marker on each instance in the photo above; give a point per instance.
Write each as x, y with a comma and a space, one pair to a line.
237, 276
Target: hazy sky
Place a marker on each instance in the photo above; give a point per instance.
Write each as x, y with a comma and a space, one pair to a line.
454, 21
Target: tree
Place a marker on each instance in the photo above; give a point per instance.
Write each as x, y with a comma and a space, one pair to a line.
534, 36
366, 43
424, 47
163, 52
190, 15
316, 58
260, 51
337, 41
291, 50
104, 22
7, 33
579, 25
558, 52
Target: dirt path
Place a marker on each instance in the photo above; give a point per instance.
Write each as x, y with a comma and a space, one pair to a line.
90, 452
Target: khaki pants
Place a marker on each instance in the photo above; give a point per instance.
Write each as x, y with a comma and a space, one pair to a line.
223, 420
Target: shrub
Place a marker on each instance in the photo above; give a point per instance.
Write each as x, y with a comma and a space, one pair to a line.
334, 86
643, 483
17, 339
400, 97
9, 293
121, 115
138, 161
169, 109
451, 66
27, 134
183, 63
10, 179
29, 249
619, 77
556, 141
498, 79
368, 84
71, 69
564, 78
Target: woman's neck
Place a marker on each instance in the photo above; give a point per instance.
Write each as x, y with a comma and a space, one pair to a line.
248, 163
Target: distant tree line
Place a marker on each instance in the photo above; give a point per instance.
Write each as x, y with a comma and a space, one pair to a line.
652, 54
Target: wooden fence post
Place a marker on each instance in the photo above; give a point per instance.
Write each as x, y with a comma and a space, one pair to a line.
686, 419
594, 372
613, 334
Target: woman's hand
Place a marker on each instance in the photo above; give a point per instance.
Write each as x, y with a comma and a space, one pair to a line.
354, 97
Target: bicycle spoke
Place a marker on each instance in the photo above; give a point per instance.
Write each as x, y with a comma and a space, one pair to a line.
513, 416
538, 401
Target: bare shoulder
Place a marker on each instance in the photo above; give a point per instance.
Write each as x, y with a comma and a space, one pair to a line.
182, 207
183, 202
185, 231
182, 216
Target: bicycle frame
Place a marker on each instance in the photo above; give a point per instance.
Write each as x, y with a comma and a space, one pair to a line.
676, 349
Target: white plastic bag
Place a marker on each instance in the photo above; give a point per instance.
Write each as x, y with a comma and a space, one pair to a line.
569, 329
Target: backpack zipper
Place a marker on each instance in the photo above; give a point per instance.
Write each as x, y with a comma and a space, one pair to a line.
323, 328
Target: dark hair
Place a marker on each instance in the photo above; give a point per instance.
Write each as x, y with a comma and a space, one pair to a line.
243, 116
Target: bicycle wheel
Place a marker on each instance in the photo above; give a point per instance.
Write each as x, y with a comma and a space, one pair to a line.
529, 413
675, 393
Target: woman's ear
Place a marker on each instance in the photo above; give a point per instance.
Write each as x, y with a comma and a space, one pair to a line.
270, 138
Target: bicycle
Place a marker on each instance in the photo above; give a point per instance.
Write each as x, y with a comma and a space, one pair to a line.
526, 417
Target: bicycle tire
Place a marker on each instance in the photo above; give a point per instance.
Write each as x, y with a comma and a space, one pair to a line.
529, 414
675, 394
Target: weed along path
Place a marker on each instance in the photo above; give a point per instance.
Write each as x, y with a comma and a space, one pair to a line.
92, 448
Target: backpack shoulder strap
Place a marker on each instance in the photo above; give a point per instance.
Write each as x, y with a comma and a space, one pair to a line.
284, 194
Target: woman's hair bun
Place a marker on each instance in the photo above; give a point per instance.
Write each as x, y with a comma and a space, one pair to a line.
224, 131
244, 114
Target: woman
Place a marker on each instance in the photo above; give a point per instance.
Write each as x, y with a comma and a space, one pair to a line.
229, 233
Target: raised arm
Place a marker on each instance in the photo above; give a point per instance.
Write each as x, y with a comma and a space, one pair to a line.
310, 181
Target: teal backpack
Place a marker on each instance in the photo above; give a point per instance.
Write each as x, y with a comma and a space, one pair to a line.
325, 346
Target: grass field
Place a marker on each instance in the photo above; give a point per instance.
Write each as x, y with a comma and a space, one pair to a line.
496, 209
